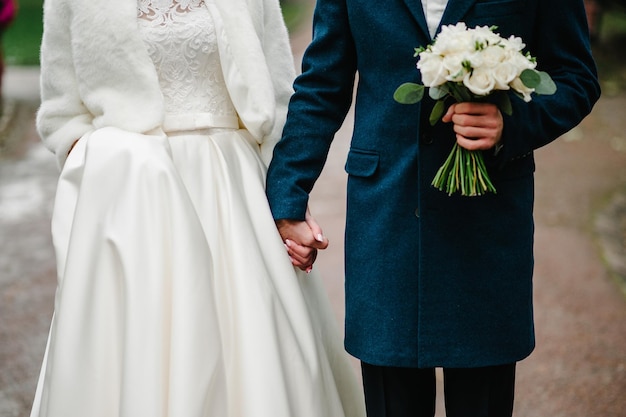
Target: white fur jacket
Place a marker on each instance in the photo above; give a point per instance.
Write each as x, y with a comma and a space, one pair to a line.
96, 71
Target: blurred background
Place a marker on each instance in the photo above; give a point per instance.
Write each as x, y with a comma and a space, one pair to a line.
579, 366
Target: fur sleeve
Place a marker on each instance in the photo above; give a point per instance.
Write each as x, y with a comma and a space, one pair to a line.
280, 63
62, 117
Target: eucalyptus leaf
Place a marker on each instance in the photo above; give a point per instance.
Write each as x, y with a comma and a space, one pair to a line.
409, 93
530, 78
460, 92
437, 112
437, 93
546, 85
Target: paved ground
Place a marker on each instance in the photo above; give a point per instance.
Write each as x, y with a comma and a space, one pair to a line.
579, 366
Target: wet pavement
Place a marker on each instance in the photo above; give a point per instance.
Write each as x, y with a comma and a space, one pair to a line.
579, 366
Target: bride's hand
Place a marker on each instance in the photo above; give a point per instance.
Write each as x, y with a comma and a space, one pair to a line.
302, 240
301, 256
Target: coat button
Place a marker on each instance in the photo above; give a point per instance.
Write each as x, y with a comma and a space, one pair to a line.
427, 139
417, 213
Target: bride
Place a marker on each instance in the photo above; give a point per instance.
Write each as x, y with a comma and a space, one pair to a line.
176, 296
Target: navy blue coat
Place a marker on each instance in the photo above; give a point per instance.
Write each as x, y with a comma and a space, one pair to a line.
431, 280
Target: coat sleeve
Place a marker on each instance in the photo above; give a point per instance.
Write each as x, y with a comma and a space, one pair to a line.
62, 117
322, 98
560, 42
280, 63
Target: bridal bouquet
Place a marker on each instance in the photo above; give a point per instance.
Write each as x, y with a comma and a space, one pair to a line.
468, 65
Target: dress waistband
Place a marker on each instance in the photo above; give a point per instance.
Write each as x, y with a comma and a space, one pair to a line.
194, 121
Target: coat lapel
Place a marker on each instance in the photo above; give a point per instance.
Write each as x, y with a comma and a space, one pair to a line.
417, 11
455, 11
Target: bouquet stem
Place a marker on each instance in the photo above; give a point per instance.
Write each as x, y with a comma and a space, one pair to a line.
464, 171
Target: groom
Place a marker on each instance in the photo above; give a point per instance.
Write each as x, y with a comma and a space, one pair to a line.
431, 280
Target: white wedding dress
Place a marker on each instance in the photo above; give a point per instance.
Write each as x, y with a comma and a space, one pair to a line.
176, 296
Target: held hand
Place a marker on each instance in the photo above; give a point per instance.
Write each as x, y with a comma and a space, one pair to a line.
478, 126
302, 240
316, 229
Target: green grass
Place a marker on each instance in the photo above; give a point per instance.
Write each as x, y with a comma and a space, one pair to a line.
293, 12
610, 53
22, 39
613, 24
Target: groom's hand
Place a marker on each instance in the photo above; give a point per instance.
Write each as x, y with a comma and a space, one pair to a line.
302, 240
478, 126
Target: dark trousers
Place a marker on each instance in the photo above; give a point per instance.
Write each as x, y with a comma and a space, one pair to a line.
410, 392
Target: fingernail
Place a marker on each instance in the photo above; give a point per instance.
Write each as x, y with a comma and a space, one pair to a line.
309, 269
287, 242
319, 237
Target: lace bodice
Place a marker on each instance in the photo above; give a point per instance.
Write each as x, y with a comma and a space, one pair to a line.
181, 40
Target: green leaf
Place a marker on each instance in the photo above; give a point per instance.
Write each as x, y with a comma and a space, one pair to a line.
409, 93
419, 50
546, 86
530, 78
437, 112
504, 103
460, 92
437, 93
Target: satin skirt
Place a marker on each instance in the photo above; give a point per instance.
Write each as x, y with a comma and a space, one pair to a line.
175, 293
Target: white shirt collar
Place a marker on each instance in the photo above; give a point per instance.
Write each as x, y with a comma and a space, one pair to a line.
433, 10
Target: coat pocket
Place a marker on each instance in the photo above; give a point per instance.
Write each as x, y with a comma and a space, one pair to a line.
362, 163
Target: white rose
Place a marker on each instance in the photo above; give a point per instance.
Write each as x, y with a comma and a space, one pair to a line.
451, 30
452, 40
493, 56
454, 67
432, 69
503, 74
514, 43
483, 36
446, 46
480, 82
521, 62
474, 59
519, 86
